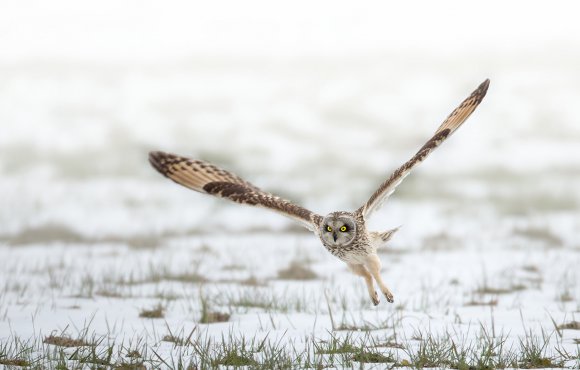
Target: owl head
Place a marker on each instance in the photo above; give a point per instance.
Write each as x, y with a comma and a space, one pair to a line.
338, 228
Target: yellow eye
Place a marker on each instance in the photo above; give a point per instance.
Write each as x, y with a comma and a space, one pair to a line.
328, 228
343, 228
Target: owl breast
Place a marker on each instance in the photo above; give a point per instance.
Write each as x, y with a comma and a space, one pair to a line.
355, 252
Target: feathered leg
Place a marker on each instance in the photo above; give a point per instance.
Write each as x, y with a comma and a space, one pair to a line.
373, 264
360, 270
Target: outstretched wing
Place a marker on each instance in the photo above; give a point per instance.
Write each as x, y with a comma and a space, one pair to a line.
452, 123
206, 178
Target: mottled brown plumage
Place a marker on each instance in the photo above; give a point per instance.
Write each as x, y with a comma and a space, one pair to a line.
343, 234
209, 179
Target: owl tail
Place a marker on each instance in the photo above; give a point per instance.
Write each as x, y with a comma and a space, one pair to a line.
381, 238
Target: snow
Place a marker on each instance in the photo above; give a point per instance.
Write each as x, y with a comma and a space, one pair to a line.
317, 102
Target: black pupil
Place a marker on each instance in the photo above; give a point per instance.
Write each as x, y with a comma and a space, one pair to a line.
342, 228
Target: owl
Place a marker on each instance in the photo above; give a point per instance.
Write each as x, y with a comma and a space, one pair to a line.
343, 233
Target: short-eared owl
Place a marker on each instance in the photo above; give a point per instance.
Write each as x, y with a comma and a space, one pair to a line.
344, 234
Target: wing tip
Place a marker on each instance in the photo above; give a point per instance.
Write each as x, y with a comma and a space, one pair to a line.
481, 90
158, 160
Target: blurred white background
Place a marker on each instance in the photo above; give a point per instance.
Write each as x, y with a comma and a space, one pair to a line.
315, 100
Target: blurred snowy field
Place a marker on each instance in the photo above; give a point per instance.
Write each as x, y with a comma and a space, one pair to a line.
317, 103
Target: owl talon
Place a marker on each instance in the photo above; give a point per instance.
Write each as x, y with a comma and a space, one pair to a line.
375, 299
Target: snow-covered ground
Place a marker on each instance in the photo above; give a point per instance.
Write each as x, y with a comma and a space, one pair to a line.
317, 106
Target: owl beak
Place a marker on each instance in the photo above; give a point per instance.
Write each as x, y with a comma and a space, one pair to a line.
334, 236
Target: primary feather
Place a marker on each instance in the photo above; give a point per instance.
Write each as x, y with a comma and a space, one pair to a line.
448, 127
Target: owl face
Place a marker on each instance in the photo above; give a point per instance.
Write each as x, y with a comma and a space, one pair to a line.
338, 229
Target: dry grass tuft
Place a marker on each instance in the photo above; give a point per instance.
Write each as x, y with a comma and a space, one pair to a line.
14, 362
250, 281
441, 242
540, 234
496, 291
57, 233
234, 267
130, 366
186, 277
46, 234
565, 297
178, 341
474, 302
154, 313
133, 354
372, 357
235, 360
253, 281
390, 344
64, 341
297, 271
210, 317
572, 325
531, 268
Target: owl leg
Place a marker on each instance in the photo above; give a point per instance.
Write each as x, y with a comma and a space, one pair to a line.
373, 264
360, 270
